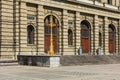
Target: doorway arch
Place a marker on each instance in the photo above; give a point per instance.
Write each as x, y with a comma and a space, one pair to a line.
47, 33
111, 39
85, 33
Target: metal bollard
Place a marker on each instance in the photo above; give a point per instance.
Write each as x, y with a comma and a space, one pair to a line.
98, 51
80, 51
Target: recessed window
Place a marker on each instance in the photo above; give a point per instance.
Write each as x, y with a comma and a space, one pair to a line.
70, 23
47, 30
109, 2
98, 0
111, 33
84, 31
70, 37
30, 34
100, 39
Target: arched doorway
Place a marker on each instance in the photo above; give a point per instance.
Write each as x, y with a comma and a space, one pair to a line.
85, 36
111, 38
47, 33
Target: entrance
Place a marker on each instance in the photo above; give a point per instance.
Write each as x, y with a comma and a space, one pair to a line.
111, 38
47, 31
85, 36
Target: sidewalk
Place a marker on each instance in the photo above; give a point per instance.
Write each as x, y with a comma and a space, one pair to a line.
86, 72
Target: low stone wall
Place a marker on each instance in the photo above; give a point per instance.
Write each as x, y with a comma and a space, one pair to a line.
43, 61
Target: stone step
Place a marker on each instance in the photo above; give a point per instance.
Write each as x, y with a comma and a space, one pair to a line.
88, 59
8, 62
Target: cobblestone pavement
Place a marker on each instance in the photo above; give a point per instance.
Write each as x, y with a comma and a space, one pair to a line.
85, 72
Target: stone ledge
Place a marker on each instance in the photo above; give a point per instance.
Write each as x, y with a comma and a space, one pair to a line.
42, 61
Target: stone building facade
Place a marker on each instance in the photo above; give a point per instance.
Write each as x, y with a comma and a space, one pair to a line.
86, 24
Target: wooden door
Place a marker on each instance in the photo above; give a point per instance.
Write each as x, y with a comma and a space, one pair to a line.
111, 46
85, 40
47, 43
111, 42
47, 38
84, 44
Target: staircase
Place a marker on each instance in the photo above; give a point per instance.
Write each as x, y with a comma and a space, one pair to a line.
88, 59
8, 62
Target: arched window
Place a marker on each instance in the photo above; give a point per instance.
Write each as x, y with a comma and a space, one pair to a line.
109, 2
30, 34
70, 37
100, 39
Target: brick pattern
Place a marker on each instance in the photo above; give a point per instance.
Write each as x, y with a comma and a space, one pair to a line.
13, 31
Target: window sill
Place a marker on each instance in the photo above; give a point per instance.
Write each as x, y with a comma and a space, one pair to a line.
30, 44
70, 46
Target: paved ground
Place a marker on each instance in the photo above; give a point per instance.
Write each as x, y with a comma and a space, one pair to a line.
86, 72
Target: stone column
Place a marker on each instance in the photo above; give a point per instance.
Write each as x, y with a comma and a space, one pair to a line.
96, 34
22, 27
78, 35
40, 31
65, 32
106, 37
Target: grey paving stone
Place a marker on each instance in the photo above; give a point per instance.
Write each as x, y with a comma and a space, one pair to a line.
86, 72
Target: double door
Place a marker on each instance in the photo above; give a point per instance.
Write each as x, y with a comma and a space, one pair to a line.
47, 38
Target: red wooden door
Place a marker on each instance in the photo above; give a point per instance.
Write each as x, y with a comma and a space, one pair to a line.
111, 42
85, 39
84, 44
47, 32
110, 46
47, 43
47, 38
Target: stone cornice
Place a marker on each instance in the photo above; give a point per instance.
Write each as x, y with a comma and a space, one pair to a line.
96, 4
64, 4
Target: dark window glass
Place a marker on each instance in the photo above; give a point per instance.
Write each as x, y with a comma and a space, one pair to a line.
54, 30
70, 37
84, 33
109, 2
84, 29
110, 36
30, 34
83, 26
98, 0
100, 39
111, 32
46, 30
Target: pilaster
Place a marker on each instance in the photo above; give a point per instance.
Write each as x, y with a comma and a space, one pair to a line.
116, 39
22, 27
91, 40
65, 31
96, 35
106, 37
78, 35
40, 31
